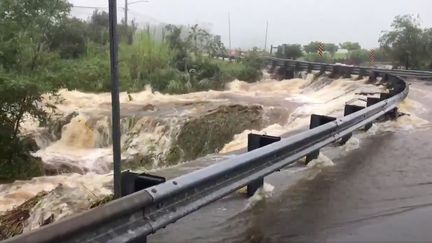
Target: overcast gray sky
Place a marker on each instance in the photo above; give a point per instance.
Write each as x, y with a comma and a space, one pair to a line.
290, 21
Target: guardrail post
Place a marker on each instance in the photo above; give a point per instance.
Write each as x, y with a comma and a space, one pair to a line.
349, 109
256, 141
393, 113
296, 69
289, 73
373, 76
336, 71
316, 121
347, 72
322, 70
384, 96
273, 65
371, 101
309, 68
362, 73
133, 182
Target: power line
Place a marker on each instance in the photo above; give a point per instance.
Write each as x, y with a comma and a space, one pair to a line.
266, 32
229, 30
88, 7
137, 14
93, 7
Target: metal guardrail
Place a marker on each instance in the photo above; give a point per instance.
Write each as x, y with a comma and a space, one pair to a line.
356, 69
135, 216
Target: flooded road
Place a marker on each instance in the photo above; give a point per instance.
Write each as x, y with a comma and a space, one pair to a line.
378, 174
375, 188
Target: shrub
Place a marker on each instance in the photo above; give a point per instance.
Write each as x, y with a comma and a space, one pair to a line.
86, 74
20, 96
161, 79
145, 56
314, 57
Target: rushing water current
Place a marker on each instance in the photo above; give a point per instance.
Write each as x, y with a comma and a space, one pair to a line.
291, 202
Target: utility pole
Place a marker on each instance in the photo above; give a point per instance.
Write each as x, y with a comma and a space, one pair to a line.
115, 100
265, 43
126, 8
126, 13
229, 30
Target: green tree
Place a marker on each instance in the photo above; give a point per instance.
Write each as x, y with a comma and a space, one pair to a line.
98, 31
69, 39
358, 57
315, 57
350, 46
381, 55
312, 47
198, 38
25, 27
215, 47
292, 51
405, 42
178, 46
331, 48
427, 40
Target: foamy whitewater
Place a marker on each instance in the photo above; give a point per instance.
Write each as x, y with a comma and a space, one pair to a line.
85, 145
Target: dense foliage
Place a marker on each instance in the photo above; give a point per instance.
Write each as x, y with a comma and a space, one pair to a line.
24, 56
290, 51
350, 46
407, 43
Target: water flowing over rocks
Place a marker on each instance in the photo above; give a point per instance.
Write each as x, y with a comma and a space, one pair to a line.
187, 138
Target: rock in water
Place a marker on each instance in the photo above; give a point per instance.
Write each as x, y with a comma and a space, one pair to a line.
209, 132
62, 202
154, 142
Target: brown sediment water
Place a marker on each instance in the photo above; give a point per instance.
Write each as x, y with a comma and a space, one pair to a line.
287, 106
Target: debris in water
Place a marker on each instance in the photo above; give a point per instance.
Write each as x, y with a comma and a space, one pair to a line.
12, 221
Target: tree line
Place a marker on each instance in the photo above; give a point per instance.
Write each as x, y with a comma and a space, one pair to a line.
407, 45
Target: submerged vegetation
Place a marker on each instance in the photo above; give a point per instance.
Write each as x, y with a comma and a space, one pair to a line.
12, 222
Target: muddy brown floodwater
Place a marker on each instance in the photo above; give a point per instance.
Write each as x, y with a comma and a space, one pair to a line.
375, 188
350, 192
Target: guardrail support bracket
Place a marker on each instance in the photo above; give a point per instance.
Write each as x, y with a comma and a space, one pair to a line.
309, 68
347, 72
289, 73
322, 71
132, 182
373, 76
348, 110
256, 141
336, 72
362, 73
371, 101
316, 121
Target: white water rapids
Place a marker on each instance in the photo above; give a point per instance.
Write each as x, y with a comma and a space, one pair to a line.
85, 145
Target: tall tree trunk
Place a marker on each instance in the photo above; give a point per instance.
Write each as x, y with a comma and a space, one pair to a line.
15, 140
